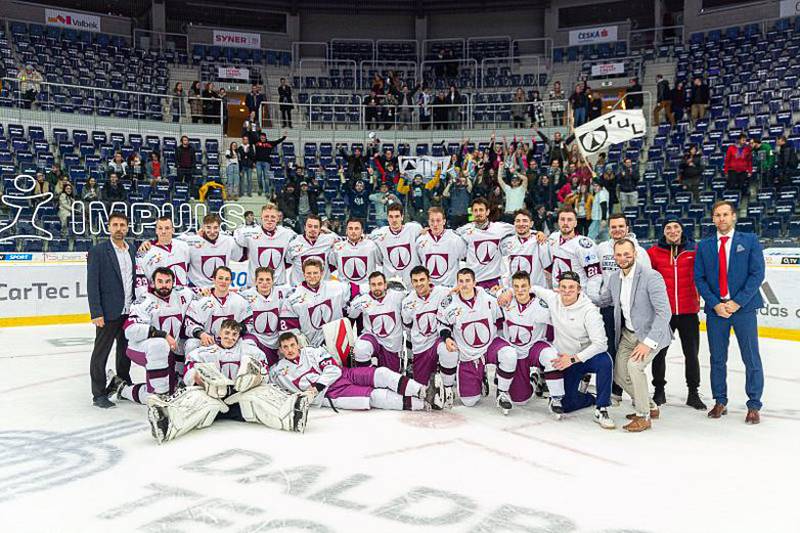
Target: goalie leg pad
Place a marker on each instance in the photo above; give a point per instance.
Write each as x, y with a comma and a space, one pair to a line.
188, 409
272, 407
339, 339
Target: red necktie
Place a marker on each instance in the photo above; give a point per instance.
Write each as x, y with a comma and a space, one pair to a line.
723, 267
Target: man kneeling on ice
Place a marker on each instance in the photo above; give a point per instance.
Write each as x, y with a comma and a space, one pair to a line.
316, 374
225, 380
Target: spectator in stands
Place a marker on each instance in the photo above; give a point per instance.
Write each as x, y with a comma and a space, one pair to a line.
251, 129
583, 171
514, 193
556, 174
518, 108
223, 102
785, 163
247, 161
663, 101
609, 180
153, 168
211, 105
558, 104
249, 219
599, 213
91, 192
678, 101
184, 161
595, 105
440, 111
600, 165
566, 190
65, 201
458, 194
58, 188
580, 105
136, 170
764, 160
287, 202
40, 186
54, 175
699, 99
30, 83
380, 201
555, 149
542, 220
627, 180
264, 174
372, 109
113, 191
545, 193
285, 99
195, 103
535, 109
232, 171
581, 201
377, 84
356, 193
388, 110
738, 166
253, 101
691, 171
178, 102
634, 98
356, 161
117, 165
406, 105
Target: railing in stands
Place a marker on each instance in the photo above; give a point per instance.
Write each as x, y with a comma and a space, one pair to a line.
367, 68
157, 40
325, 64
462, 64
516, 61
379, 42
538, 46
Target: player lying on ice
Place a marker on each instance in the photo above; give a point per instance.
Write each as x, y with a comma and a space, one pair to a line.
315, 374
225, 380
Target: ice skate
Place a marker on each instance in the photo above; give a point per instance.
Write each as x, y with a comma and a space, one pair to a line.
504, 402
434, 393
555, 407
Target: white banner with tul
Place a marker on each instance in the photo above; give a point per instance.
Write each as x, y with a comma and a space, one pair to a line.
612, 128
790, 8
233, 73
424, 165
237, 39
600, 34
71, 19
604, 69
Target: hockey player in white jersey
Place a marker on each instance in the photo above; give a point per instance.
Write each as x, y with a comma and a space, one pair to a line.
226, 380
154, 332
266, 302
420, 309
397, 243
567, 251
355, 257
267, 245
312, 244
314, 373
468, 325
315, 302
208, 312
208, 250
440, 250
526, 326
580, 348
382, 335
523, 252
162, 252
483, 238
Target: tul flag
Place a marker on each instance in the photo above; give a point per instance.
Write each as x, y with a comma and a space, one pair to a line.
612, 128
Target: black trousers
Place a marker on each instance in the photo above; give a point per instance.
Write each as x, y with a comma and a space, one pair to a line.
286, 116
104, 338
688, 327
608, 321
738, 181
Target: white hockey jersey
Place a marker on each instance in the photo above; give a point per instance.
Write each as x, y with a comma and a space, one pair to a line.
165, 315
483, 248
264, 320
208, 312
265, 249
420, 317
472, 323
442, 256
524, 254
308, 310
525, 324
354, 262
578, 254
227, 359
205, 256
313, 366
174, 256
382, 318
398, 250
606, 252
301, 249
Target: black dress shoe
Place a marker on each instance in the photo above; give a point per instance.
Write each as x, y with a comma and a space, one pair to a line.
693, 400
659, 397
103, 403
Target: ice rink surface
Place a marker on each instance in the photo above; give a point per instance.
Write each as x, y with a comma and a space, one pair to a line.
66, 466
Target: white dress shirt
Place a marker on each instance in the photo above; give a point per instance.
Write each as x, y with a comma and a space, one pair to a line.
728, 246
126, 269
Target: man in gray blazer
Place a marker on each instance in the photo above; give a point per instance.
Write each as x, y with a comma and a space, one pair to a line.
110, 274
641, 319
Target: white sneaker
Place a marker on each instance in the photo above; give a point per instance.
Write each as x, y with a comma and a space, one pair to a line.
602, 417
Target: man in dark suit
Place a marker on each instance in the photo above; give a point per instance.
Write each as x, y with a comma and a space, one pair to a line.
110, 280
729, 270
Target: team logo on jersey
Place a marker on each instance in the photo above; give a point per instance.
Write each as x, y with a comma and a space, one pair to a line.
383, 323
354, 267
179, 269
270, 256
427, 322
520, 263
399, 255
585, 243
320, 314
437, 264
171, 324
266, 322
208, 263
216, 322
560, 264
486, 250
477, 333
519, 334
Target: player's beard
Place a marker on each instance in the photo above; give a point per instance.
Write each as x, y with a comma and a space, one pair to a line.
163, 293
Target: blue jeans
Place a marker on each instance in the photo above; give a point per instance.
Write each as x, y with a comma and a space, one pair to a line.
579, 114
264, 177
246, 181
594, 230
599, 365
232, 179
745, 325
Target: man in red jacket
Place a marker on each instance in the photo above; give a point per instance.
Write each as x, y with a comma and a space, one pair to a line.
673, 258
739, 165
